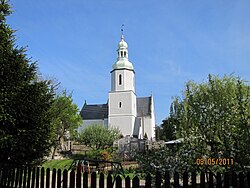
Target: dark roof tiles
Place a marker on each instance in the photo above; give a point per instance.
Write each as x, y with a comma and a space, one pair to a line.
95, 111
143, 106
100, 111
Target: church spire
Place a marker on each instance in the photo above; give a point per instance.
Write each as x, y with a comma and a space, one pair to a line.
122, 53
122, 47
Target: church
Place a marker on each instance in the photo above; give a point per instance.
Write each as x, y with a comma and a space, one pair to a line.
133, 116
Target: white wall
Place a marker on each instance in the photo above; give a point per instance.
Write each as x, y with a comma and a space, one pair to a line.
92, 122
128, 80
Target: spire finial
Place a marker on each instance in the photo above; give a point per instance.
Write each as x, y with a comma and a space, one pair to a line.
122, 37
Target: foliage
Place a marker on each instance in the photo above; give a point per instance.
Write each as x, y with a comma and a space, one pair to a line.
105, 155
25, 131
66, 119
171, 125
98, 137
160, 159
214, 118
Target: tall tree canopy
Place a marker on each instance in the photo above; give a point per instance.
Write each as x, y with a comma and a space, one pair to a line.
25, 121
214, 121
66, 118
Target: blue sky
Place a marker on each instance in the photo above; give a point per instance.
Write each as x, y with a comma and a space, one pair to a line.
170, 42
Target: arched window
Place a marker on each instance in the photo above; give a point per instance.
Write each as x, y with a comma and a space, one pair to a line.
125, 54
120, 104
121, 53
120, 79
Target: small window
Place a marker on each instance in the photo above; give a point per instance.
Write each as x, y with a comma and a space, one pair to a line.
120, 104
120, 79
125, 54
121, 53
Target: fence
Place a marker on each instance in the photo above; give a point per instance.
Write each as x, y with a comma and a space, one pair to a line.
37, 177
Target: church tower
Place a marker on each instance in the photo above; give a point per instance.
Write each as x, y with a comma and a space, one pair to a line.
122, 97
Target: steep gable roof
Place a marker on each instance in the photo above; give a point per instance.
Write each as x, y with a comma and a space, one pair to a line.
143, 106
94, 111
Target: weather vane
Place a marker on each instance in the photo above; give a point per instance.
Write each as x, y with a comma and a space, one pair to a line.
122, 29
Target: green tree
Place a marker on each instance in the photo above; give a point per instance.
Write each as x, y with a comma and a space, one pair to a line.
98, 137
214, 121
25, 131
66, 119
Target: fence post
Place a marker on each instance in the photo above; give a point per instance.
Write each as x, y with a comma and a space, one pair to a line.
167, 180
42, 178
33, 177
37, 176
185, 180
47, 178
241, 179
193, 179
93, 180
211, 180
158, 180
109, 181
65, 179
135, 182
11, 173
13, 177
218, 183
234, 179
101, 180
53, 178
127, 182
20, 177
202, 180
85, 180
148, 182
29, 177
78, 178
176, 180
4, 177
1, 175
226, 180
24, 177
59, 179
248, 179
72, 179
118, 182
8, 179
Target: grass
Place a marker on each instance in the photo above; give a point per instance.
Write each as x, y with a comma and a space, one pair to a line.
58, 164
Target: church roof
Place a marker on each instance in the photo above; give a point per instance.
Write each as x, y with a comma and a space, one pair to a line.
143, 106
100, 111
94, 111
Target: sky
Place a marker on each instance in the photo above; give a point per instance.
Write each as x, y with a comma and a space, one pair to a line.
170, 42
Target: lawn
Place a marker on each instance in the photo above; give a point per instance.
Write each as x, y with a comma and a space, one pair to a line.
58, 164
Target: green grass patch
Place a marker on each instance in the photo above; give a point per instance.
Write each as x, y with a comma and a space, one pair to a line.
58, 164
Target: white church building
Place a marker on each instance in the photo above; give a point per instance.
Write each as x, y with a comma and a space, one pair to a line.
133, 116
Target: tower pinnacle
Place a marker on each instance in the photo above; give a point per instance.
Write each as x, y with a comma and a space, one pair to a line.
122, 36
